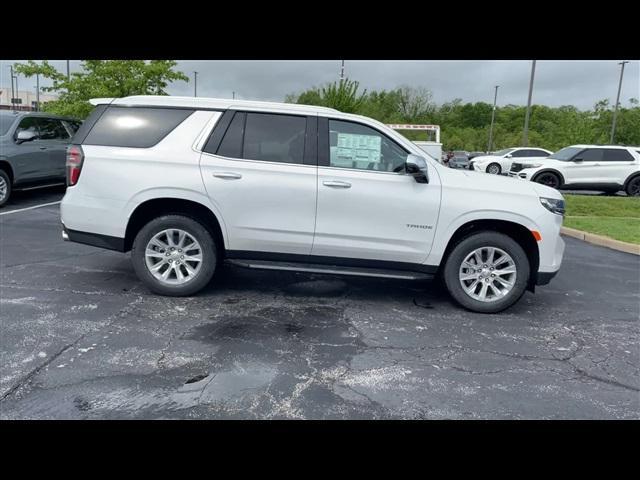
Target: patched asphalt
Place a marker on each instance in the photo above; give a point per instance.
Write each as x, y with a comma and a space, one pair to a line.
82, 338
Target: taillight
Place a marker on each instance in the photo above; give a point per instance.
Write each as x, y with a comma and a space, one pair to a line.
75, 157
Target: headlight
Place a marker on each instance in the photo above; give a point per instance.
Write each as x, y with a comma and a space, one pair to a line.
553, 205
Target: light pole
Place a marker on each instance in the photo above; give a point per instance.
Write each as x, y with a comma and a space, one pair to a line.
68, 71
525, 140
17, 91
342, 71
195, 84
615, 111
12, 91
37, 92
493, 116
233, 95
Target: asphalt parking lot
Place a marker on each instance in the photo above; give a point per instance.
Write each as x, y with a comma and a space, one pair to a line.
82, 338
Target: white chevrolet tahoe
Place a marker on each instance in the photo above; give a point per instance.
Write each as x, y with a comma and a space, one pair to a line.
188, 183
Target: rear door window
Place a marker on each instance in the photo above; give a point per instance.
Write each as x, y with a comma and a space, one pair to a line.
274, 138
138, 127
52, 129
231, 145
591, 155
617, 155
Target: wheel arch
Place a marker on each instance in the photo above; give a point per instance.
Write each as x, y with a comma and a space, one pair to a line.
518, 232
156, 207
629, 178
6, 166
550, 170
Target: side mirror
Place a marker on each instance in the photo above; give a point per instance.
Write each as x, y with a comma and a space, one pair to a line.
26, 136
416, 166
578, 159
508, 156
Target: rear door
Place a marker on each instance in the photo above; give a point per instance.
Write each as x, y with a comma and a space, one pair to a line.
617, 164
260, 171
56, 138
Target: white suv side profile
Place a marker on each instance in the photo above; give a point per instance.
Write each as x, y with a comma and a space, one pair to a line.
586, 167
500, 162
187, 183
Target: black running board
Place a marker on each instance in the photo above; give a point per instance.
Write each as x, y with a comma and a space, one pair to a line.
330, 269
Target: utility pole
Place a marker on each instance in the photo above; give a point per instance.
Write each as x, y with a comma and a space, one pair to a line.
525, 140
37, 92
615, 111
342, 71
234, 95
195, 84
12, 90
17, 91
493, 116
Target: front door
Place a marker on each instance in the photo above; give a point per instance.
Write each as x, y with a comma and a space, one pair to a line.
261, 176
368, 208
31, 158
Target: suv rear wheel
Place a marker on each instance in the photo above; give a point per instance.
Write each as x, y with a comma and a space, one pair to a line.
487, 272
633, 187
174, 255
5, 187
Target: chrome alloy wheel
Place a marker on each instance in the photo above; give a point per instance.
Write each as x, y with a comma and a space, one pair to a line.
3, 189
173, 256
487, 274
494, 169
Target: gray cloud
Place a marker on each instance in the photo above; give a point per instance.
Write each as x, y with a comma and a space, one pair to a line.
579, 83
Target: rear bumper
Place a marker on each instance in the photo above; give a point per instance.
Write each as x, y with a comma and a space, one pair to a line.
93, 239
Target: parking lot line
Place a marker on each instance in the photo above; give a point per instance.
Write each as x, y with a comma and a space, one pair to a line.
30, 208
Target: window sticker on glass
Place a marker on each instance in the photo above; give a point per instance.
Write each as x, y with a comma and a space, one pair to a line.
358, 148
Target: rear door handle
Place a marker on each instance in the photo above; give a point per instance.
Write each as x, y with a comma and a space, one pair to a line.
42, 148
227, 175
336, 184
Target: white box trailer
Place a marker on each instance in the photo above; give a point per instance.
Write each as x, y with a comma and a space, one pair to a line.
432, 146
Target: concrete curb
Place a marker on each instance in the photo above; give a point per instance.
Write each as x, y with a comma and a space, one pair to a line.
601, 240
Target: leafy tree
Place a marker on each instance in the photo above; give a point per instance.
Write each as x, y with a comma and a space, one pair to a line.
342, 95
102, 78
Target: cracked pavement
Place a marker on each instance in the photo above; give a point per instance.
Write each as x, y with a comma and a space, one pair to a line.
82, 338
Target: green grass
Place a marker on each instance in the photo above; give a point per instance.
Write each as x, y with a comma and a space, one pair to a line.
614, 217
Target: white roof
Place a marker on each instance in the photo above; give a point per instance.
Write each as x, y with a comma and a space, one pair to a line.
203, 102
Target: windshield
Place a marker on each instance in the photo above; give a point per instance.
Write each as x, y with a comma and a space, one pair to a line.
565, 154
5, 122
500, 153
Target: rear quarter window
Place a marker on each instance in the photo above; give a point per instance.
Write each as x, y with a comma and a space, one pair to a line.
138, 127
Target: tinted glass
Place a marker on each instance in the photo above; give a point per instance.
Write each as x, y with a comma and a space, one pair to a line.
274, 138
352, 145
565, 154
52, 129
617, 155
591, 155
5, 123
538, 153
521, 153
135, 127
500, 153
231, 145
29, 124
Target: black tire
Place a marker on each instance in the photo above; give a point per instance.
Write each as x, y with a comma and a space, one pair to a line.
549, 179
496, 167
465, 247
5, 180
633, 187
193, 228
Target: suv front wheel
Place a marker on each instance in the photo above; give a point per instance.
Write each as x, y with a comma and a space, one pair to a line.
174, 255
487, 272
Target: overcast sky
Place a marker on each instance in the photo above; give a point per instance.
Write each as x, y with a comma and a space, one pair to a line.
579, 83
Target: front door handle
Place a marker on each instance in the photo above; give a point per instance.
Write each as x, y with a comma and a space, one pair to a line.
336, 184
42, 148
227, 175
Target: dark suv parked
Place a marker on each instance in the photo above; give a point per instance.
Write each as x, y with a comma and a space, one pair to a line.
33, 149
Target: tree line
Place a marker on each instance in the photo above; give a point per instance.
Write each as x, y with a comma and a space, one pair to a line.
464, 126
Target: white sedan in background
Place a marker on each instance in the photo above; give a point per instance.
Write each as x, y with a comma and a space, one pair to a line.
500, 162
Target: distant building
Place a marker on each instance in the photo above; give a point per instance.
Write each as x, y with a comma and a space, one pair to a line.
25, 99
